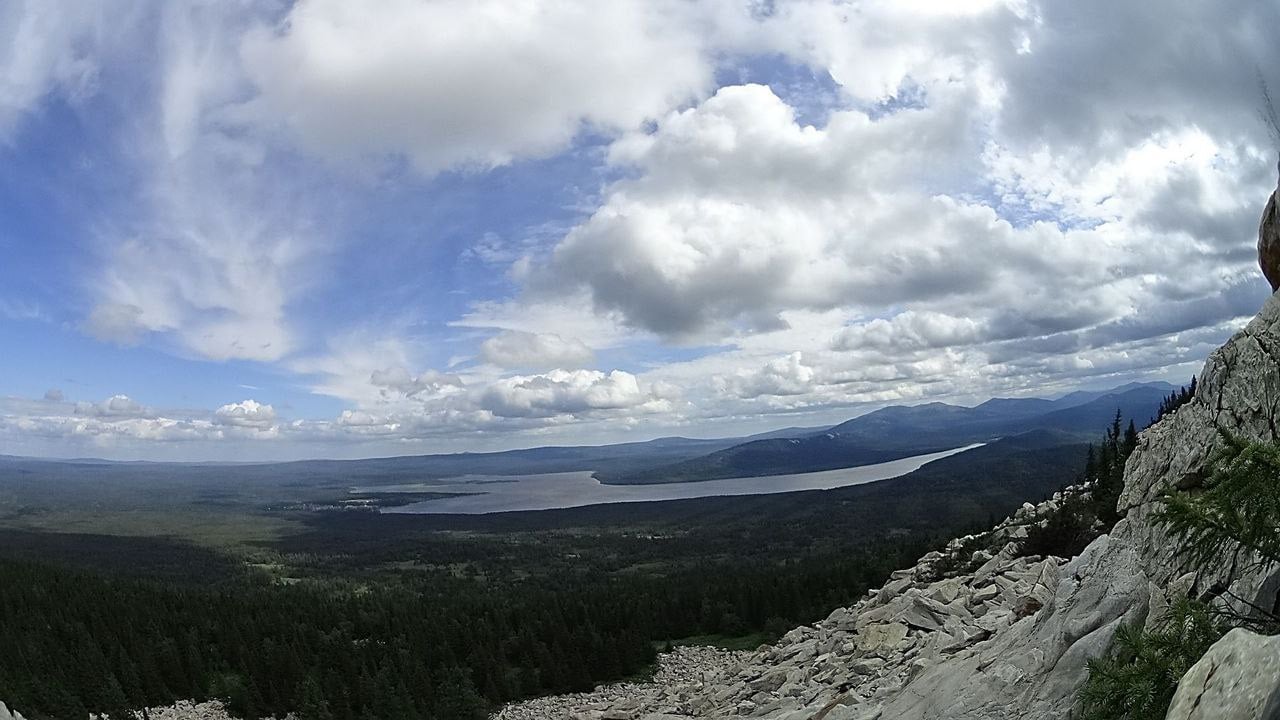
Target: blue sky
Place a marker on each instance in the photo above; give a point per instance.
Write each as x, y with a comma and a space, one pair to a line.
242, 231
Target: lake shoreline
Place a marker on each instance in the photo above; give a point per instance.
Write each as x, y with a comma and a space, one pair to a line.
482, 495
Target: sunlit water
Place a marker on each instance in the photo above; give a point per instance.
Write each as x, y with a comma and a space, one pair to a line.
508, 493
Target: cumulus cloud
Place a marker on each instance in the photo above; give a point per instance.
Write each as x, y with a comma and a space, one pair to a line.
121, 427
783, 376
516, 349
564, 392
740, 213
53, 395
104, 433
910, 330
928, 217
455, 83
246, 414
116, 406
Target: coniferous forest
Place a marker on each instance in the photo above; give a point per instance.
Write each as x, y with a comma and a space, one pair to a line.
377, 616
434, 647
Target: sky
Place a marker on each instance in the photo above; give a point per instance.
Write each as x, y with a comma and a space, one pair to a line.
273, 230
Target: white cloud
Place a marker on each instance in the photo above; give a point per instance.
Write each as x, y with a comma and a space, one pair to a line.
47, 48
229, 273
1098, 91
910, 330
467, 83
516, 349
103, 434
561, 392
121, 427
114, 322
783, 376
116, 406
398, 380
739, 213
213, 241
996, 201
569, 316
246, 414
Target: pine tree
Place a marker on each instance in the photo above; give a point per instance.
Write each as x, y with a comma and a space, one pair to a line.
312, 704
1137, 678
1236, 517
1233, 519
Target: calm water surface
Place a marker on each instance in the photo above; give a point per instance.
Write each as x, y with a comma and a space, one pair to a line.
507, 493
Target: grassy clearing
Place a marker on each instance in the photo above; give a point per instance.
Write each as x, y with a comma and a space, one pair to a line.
228, 531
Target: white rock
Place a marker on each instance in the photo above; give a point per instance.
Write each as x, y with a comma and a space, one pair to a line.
1238, 679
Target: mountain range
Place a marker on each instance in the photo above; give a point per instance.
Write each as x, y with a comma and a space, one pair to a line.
886, 434
900, 431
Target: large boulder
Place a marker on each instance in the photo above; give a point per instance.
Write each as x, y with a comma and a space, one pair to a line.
7, 714
1269, 240
1238, 679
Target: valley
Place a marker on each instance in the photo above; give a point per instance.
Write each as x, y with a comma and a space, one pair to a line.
593, 590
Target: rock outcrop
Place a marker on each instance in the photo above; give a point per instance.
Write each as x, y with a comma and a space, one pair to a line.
994, 635
1269, 239
7, 714
1238, 679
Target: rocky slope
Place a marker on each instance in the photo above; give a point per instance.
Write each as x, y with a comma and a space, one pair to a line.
1003, 636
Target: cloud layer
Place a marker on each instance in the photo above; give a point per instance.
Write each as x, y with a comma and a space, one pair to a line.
761, 211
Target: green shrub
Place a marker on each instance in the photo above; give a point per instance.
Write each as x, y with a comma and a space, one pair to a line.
1232, 519
1066, 533
1235, 513
1137, 679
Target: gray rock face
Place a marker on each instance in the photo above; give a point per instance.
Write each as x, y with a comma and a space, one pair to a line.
979, 634
7, 714
1238, 679
1269, 241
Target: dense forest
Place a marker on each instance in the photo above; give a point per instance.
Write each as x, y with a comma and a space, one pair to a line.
369, 616
434, 647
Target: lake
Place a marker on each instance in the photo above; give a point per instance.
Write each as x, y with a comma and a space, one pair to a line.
550, 491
